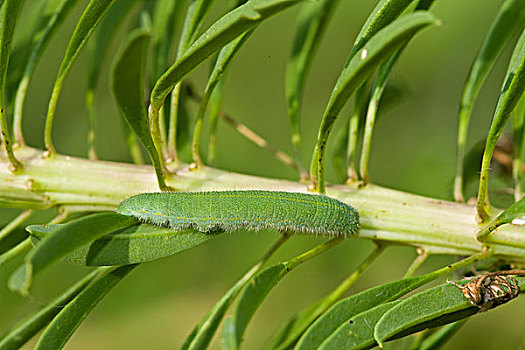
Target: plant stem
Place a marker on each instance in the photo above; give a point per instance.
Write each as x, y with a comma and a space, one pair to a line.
416, 264
312, 253
438, 226
15, 223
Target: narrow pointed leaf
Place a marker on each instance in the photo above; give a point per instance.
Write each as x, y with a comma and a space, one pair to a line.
103, 36
49, 26
347, 308
97, 56
359, 68
226, 29
65, 240
358, 332
249, 301
439, 305
69, 318
86, 25
165, 17
518, 125
202, 334
377, 92
8, 18
28, 328
312, 22
131, 245
511, 92
219, 69
128, 89
383, 14
509, 19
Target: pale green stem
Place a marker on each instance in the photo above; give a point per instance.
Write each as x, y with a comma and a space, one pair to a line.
157, 159
197, 161
439, 226
351, 153
15, 223
19, 110
163, 131
92, 124
367, 137
312, 253
172, 130
350, 280
48, 130
464, 115
416, 264
20, 248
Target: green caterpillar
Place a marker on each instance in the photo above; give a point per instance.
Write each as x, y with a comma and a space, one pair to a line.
253, 210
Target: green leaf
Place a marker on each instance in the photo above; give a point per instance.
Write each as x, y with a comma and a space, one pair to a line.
347, 308
510, 18
69, 318
377, 92
294, 329
226, 29
86, 25
219, 69
166, 15
359, 68
216, 100
55, 14
97, 56
440, 337
15, 251
65, 240
311, 25
131, 245
383, 14
249, 301
193, 21
358, 332
436, 306
8, 17
516, 210
128, 89
510, 94
256, 291
518, 125
28, 328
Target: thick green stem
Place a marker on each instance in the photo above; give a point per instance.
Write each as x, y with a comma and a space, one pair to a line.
385, 215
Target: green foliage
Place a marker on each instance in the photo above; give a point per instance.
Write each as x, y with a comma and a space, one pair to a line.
131, 245
154, 54
69, 318
85, 27
509, 19
65, 240
358, 69
128, 83
511, 92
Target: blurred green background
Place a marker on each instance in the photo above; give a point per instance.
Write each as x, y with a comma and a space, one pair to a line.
413, 150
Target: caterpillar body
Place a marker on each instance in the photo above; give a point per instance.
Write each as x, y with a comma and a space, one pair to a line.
253, 209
